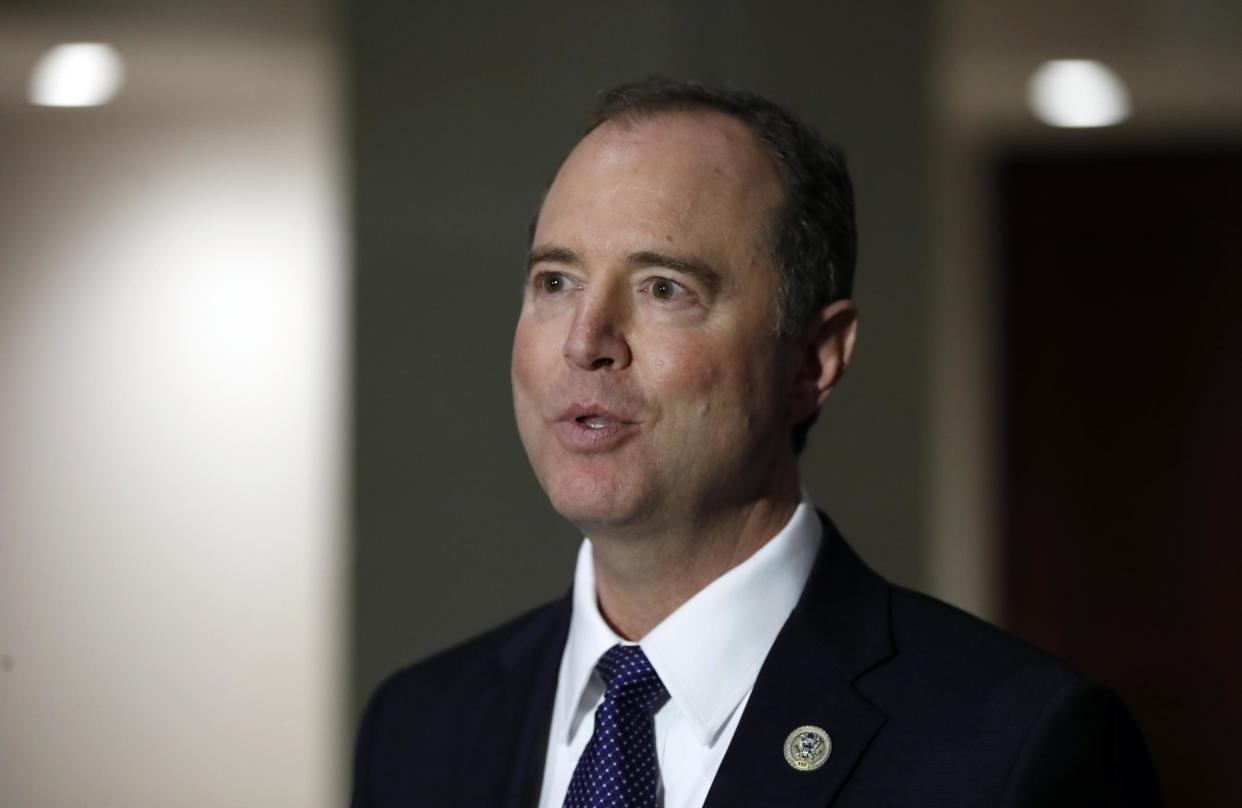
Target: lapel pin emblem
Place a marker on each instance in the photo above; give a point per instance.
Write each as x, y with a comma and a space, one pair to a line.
807, 748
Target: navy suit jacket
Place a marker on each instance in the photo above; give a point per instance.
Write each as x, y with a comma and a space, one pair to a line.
925, 706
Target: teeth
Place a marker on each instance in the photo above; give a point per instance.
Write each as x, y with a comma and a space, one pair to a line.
593, 421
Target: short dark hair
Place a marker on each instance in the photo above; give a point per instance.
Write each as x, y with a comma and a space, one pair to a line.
814, 239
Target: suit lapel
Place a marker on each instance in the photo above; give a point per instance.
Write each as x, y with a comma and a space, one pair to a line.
839, 630
505, 731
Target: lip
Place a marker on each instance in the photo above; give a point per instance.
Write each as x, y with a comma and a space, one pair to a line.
611, 429
581, 409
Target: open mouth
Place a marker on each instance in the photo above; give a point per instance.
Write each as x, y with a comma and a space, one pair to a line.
591, 427
594, 431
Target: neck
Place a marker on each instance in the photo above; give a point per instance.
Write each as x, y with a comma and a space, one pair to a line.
639, 582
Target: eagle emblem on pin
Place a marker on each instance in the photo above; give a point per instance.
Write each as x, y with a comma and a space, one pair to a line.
807, 747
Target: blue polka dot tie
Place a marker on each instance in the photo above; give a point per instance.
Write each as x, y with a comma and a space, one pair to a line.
618, 768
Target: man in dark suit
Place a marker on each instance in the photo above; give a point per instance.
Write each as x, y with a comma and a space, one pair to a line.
687, 312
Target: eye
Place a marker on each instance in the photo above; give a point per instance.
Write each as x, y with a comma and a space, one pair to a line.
665, 289
552, 282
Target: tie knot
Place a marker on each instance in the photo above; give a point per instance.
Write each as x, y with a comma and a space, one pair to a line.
629, 677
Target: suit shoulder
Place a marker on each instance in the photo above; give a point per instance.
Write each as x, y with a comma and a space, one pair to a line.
415, 713
925, 622
1034, 730
965, 652
463, 665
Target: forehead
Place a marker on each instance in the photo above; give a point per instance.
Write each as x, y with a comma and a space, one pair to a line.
698, 180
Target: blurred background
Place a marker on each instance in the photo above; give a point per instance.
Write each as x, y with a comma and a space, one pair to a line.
259, 268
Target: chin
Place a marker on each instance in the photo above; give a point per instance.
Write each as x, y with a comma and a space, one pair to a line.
595, 503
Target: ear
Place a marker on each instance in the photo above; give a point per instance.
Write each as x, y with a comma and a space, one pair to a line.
824, 352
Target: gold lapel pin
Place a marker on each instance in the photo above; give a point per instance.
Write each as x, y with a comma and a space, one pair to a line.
807, 747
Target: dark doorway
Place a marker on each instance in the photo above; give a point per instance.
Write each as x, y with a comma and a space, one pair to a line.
1122, 274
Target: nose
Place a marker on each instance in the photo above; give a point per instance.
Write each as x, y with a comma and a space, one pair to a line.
597, 338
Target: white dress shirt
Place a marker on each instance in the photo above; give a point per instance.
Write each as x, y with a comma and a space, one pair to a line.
707, 653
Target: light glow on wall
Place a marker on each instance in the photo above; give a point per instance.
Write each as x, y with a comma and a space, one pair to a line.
1078, 93
172, 435
79, 74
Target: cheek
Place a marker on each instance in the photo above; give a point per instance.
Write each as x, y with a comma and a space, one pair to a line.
529, 349
519, 362
727, 388
687, 369
524, 376
702, 390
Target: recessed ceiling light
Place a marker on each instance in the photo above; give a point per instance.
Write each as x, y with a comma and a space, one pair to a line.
78, 74
1077, 93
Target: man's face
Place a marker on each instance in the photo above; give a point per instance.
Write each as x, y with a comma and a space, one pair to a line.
649, 384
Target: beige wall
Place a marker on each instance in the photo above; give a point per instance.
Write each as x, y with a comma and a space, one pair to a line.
171, 430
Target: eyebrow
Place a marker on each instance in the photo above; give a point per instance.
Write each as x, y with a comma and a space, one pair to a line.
694, 268
550, 255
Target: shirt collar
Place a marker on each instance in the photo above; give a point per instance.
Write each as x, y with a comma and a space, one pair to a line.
709, 651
